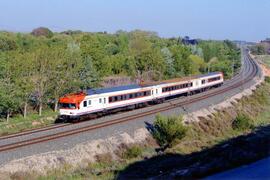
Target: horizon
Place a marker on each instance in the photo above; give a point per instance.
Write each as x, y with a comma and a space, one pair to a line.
208, 19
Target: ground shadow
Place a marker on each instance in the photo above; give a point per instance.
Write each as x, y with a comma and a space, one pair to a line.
226, 155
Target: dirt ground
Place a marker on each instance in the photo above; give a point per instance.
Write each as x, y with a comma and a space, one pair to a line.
265, 69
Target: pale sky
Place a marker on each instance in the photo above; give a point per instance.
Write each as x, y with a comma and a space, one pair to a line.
206, 19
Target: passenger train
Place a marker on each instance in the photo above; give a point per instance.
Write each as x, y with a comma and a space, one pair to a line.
95, 102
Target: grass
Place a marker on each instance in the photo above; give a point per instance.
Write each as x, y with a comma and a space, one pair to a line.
18, 123
133, 152
201, 135
242, 122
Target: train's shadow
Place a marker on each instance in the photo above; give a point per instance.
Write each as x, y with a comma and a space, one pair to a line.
226, 155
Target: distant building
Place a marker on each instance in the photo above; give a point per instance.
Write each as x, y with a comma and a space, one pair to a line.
187, 41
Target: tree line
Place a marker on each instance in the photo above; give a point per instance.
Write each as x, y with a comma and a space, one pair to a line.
39, 67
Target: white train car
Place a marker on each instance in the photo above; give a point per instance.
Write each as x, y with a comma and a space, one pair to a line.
74, 106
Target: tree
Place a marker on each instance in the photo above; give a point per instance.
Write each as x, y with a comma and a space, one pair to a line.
42, 67
8, 91
212, 62
181, 62
61, 74
197, 51
197, 64
169, 61
24, 78
87, 74
42, 31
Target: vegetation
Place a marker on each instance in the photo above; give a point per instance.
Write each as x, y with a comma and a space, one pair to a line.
37, 68
167, 131
242, 122
33, 120
261, 48
133, 152
201, 137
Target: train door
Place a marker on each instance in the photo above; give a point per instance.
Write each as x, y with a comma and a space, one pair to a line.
196, 84
155, 92
97, 103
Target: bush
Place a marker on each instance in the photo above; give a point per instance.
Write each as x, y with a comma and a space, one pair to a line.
133, 152
267, 79
168, 130
104, 158
242, 122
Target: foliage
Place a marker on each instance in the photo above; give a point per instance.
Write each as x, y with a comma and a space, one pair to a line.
39, 67
267, 79
42, 31
133, 152
242, 122
258, 49
168, 130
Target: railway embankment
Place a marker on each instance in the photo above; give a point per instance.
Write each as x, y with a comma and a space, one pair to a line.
210, 129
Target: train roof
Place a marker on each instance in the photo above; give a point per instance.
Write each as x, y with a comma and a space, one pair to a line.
175, 80
113, 89
137, 86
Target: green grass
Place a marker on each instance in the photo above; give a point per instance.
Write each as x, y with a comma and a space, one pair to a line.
242, 122
18, 123
133, 152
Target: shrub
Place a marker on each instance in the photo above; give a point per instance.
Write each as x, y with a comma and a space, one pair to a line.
242, 122
168, 130
104, 158
267, 79
133, 152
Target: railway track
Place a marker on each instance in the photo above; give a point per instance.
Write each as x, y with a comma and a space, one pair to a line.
252, 69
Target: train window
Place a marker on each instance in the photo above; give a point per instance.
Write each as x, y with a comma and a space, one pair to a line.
84, 103
104, 100
151, 92
89, 102
67, 106
214, 79
110, 99
203, 81
100, 100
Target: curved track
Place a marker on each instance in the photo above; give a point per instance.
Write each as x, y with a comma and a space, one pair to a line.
248, 71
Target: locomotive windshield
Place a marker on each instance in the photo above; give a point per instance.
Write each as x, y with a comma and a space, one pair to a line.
67, 106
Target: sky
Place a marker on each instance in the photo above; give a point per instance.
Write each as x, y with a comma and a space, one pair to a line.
206, 19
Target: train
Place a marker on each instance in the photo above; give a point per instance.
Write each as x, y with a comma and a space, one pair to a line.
100, 101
